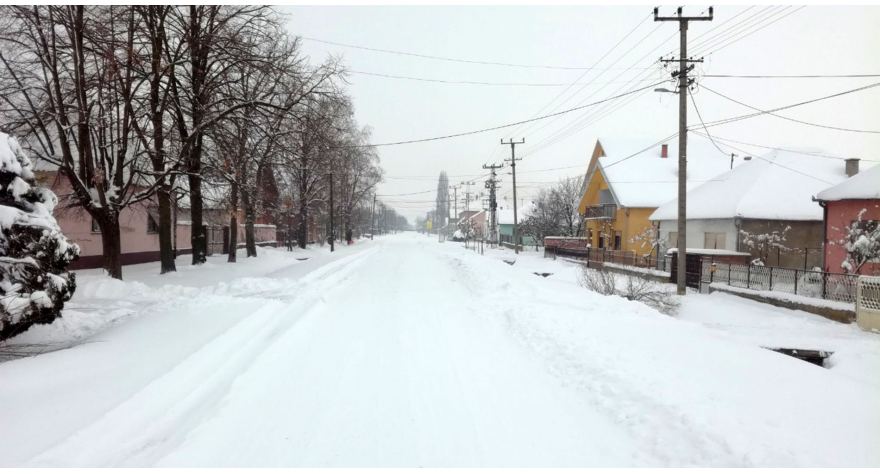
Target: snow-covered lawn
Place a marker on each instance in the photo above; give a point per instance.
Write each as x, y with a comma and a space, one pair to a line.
407, 352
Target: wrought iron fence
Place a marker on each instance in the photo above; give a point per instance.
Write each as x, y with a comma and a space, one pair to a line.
812, 284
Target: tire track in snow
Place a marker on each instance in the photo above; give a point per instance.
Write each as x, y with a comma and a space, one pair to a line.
158, 416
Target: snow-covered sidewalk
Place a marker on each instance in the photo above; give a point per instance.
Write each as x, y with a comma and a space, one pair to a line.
406, 352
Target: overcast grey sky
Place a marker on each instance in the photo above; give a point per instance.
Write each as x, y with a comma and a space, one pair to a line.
812, 40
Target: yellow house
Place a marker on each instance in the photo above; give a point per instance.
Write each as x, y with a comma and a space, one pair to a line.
628, 179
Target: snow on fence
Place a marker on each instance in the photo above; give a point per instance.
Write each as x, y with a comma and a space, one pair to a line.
813, 284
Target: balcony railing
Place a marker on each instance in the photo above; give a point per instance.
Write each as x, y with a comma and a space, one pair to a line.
602, 211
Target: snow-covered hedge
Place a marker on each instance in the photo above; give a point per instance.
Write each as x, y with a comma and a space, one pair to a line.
34, 281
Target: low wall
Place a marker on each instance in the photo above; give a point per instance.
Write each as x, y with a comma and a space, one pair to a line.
836, 311
646, 273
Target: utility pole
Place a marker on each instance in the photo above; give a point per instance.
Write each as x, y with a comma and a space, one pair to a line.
683, 85
332, 227
372, 211
455, 200
513, 159
493, 205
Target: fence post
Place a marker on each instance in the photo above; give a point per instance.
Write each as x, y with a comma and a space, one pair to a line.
795, 281
748, 277
771, 279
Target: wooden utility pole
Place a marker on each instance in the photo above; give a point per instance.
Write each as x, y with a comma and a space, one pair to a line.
332, 228
683, 85
491, 185
513, 159
372, 211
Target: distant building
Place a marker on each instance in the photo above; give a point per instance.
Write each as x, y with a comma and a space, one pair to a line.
505, 224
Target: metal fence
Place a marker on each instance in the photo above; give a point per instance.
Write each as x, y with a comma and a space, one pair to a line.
597, 257
812, 284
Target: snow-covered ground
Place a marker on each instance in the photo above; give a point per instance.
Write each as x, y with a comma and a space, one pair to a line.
407, 352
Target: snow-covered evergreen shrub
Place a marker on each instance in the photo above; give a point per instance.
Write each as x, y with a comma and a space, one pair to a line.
34, 281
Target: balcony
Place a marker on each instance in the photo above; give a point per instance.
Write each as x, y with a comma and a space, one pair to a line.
602, 211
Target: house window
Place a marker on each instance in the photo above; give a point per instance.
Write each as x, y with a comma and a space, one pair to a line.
617, 240
590, 237
715, 240
96, 229
673, 240
601, 241
152, 226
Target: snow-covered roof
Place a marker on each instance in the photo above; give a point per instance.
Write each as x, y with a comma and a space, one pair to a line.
778, 185
864, 185
646, 179
505, 216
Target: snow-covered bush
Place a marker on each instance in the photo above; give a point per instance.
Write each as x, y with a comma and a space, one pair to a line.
34, 281
633, 288
861, 242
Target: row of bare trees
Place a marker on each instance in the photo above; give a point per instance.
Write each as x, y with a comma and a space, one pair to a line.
152, 103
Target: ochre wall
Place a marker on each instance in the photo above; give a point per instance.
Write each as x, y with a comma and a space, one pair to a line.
630, 222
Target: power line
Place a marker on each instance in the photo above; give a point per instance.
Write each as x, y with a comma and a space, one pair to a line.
639, 42
753, 32
805, 153
788, 118
585, 73
737, 28
777, 164
478, 83
439, 58
700, 116
444, 137
756, 114
806, 76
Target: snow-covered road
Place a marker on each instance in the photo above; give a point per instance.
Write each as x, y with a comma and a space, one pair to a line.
404, 352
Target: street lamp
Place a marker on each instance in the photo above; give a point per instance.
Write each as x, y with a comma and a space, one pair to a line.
663, 89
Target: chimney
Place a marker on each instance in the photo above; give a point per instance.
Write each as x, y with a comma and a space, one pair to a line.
664, 151
852, 167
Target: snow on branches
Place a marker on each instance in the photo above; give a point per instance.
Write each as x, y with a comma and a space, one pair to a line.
862, 243
34, 281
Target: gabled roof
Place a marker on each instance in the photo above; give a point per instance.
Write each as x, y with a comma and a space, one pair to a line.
647, 180
864, 185
778, 185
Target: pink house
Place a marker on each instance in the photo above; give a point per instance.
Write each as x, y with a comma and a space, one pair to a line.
857, 198
138, 226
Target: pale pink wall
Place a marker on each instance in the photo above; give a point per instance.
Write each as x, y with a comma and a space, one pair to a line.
76, 224
840, 215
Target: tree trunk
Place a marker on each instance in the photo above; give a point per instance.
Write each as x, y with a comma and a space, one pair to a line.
111, 241
249, 241
302, 230
198, 240
233, 224
166, 226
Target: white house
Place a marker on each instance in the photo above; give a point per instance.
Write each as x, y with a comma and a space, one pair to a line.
765, 199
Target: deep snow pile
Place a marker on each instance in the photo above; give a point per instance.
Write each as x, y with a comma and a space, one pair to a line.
34, 281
